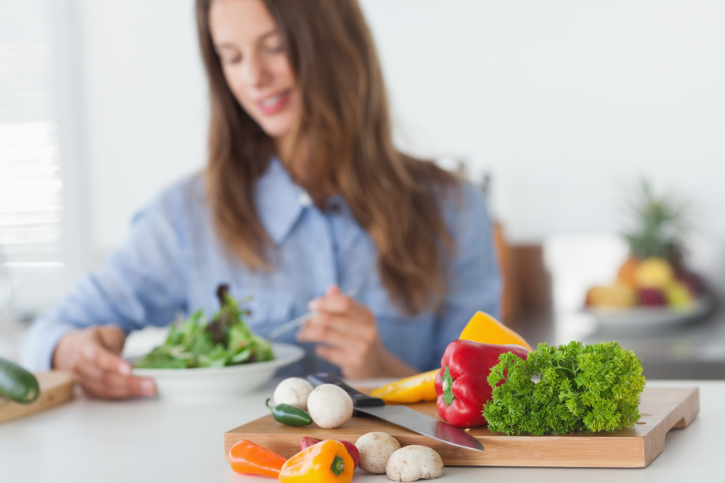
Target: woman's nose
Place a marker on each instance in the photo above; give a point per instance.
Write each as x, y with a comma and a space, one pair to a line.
254, 73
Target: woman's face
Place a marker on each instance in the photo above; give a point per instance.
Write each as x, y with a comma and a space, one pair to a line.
255, 64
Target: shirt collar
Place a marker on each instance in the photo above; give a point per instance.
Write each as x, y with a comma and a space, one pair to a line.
279, 201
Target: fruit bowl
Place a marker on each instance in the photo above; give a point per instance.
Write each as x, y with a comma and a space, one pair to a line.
647, 318
654, 287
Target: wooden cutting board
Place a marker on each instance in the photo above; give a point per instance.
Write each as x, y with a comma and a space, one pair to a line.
662, 409
55, 388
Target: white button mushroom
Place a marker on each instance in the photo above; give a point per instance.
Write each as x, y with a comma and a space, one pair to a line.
413, 463
330, 406
375, 449
293, 391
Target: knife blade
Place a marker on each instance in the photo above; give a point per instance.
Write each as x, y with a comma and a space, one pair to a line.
401, 415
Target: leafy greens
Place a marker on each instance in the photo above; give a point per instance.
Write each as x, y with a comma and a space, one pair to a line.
224, 340
581, 388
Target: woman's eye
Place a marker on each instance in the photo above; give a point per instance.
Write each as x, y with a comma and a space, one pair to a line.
233, 60
274, 49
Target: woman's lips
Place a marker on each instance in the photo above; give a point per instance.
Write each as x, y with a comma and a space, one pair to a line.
275, 103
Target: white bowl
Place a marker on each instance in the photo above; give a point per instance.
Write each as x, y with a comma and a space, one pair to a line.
638, 319
213, 383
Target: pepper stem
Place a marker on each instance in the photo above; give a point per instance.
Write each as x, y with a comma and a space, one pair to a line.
338, 465
448, 396
266, 403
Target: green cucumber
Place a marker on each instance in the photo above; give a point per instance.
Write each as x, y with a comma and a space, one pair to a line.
17, 384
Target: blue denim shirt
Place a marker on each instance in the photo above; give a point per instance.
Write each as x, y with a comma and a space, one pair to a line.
173, 262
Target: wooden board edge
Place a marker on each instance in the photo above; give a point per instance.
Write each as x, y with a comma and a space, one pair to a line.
46, 400
681, 417
632, 448
691, 414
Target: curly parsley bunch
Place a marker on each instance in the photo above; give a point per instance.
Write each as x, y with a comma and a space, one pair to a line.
581, 387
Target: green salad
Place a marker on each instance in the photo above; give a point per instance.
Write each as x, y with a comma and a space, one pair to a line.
224, 340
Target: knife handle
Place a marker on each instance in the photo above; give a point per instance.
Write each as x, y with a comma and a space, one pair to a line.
359, 400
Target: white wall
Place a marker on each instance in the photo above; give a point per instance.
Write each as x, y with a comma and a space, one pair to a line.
145, 106
564, 102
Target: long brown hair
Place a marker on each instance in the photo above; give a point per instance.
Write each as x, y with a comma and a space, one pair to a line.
346, 131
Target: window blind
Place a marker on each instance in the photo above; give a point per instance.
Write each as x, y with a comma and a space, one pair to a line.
42, 219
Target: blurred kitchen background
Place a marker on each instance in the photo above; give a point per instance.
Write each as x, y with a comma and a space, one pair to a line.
558, 109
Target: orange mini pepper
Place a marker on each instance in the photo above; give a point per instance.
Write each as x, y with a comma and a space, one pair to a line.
325, 462
252, 459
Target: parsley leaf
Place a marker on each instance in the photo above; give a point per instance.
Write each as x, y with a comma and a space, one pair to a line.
591, 388
448, 396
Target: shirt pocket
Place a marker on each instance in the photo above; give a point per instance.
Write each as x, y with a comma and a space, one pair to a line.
268, 309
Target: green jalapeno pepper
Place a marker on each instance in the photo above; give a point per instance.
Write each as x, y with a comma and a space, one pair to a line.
289, 415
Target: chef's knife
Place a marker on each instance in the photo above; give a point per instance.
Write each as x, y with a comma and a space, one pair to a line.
401, 415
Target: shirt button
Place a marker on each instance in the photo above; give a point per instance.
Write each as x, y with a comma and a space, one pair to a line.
305, 199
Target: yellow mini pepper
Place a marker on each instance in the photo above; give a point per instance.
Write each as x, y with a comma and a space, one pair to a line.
327, 461
487, 330
421, 387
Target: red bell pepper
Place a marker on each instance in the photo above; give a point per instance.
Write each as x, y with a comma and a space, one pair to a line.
461, 384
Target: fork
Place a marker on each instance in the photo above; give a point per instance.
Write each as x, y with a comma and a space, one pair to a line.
298, 321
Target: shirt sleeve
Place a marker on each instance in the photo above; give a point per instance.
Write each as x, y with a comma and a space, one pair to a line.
141, 284
474, 281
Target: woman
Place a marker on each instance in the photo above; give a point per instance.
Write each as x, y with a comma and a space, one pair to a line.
303, 193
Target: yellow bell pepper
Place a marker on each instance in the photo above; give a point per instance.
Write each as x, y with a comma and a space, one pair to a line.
420, 387
327, 461
481, 328
487, 330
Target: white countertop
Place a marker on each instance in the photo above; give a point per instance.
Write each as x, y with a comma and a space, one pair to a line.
155, 441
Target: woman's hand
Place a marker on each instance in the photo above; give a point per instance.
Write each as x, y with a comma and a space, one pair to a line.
348, 335
93, 356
